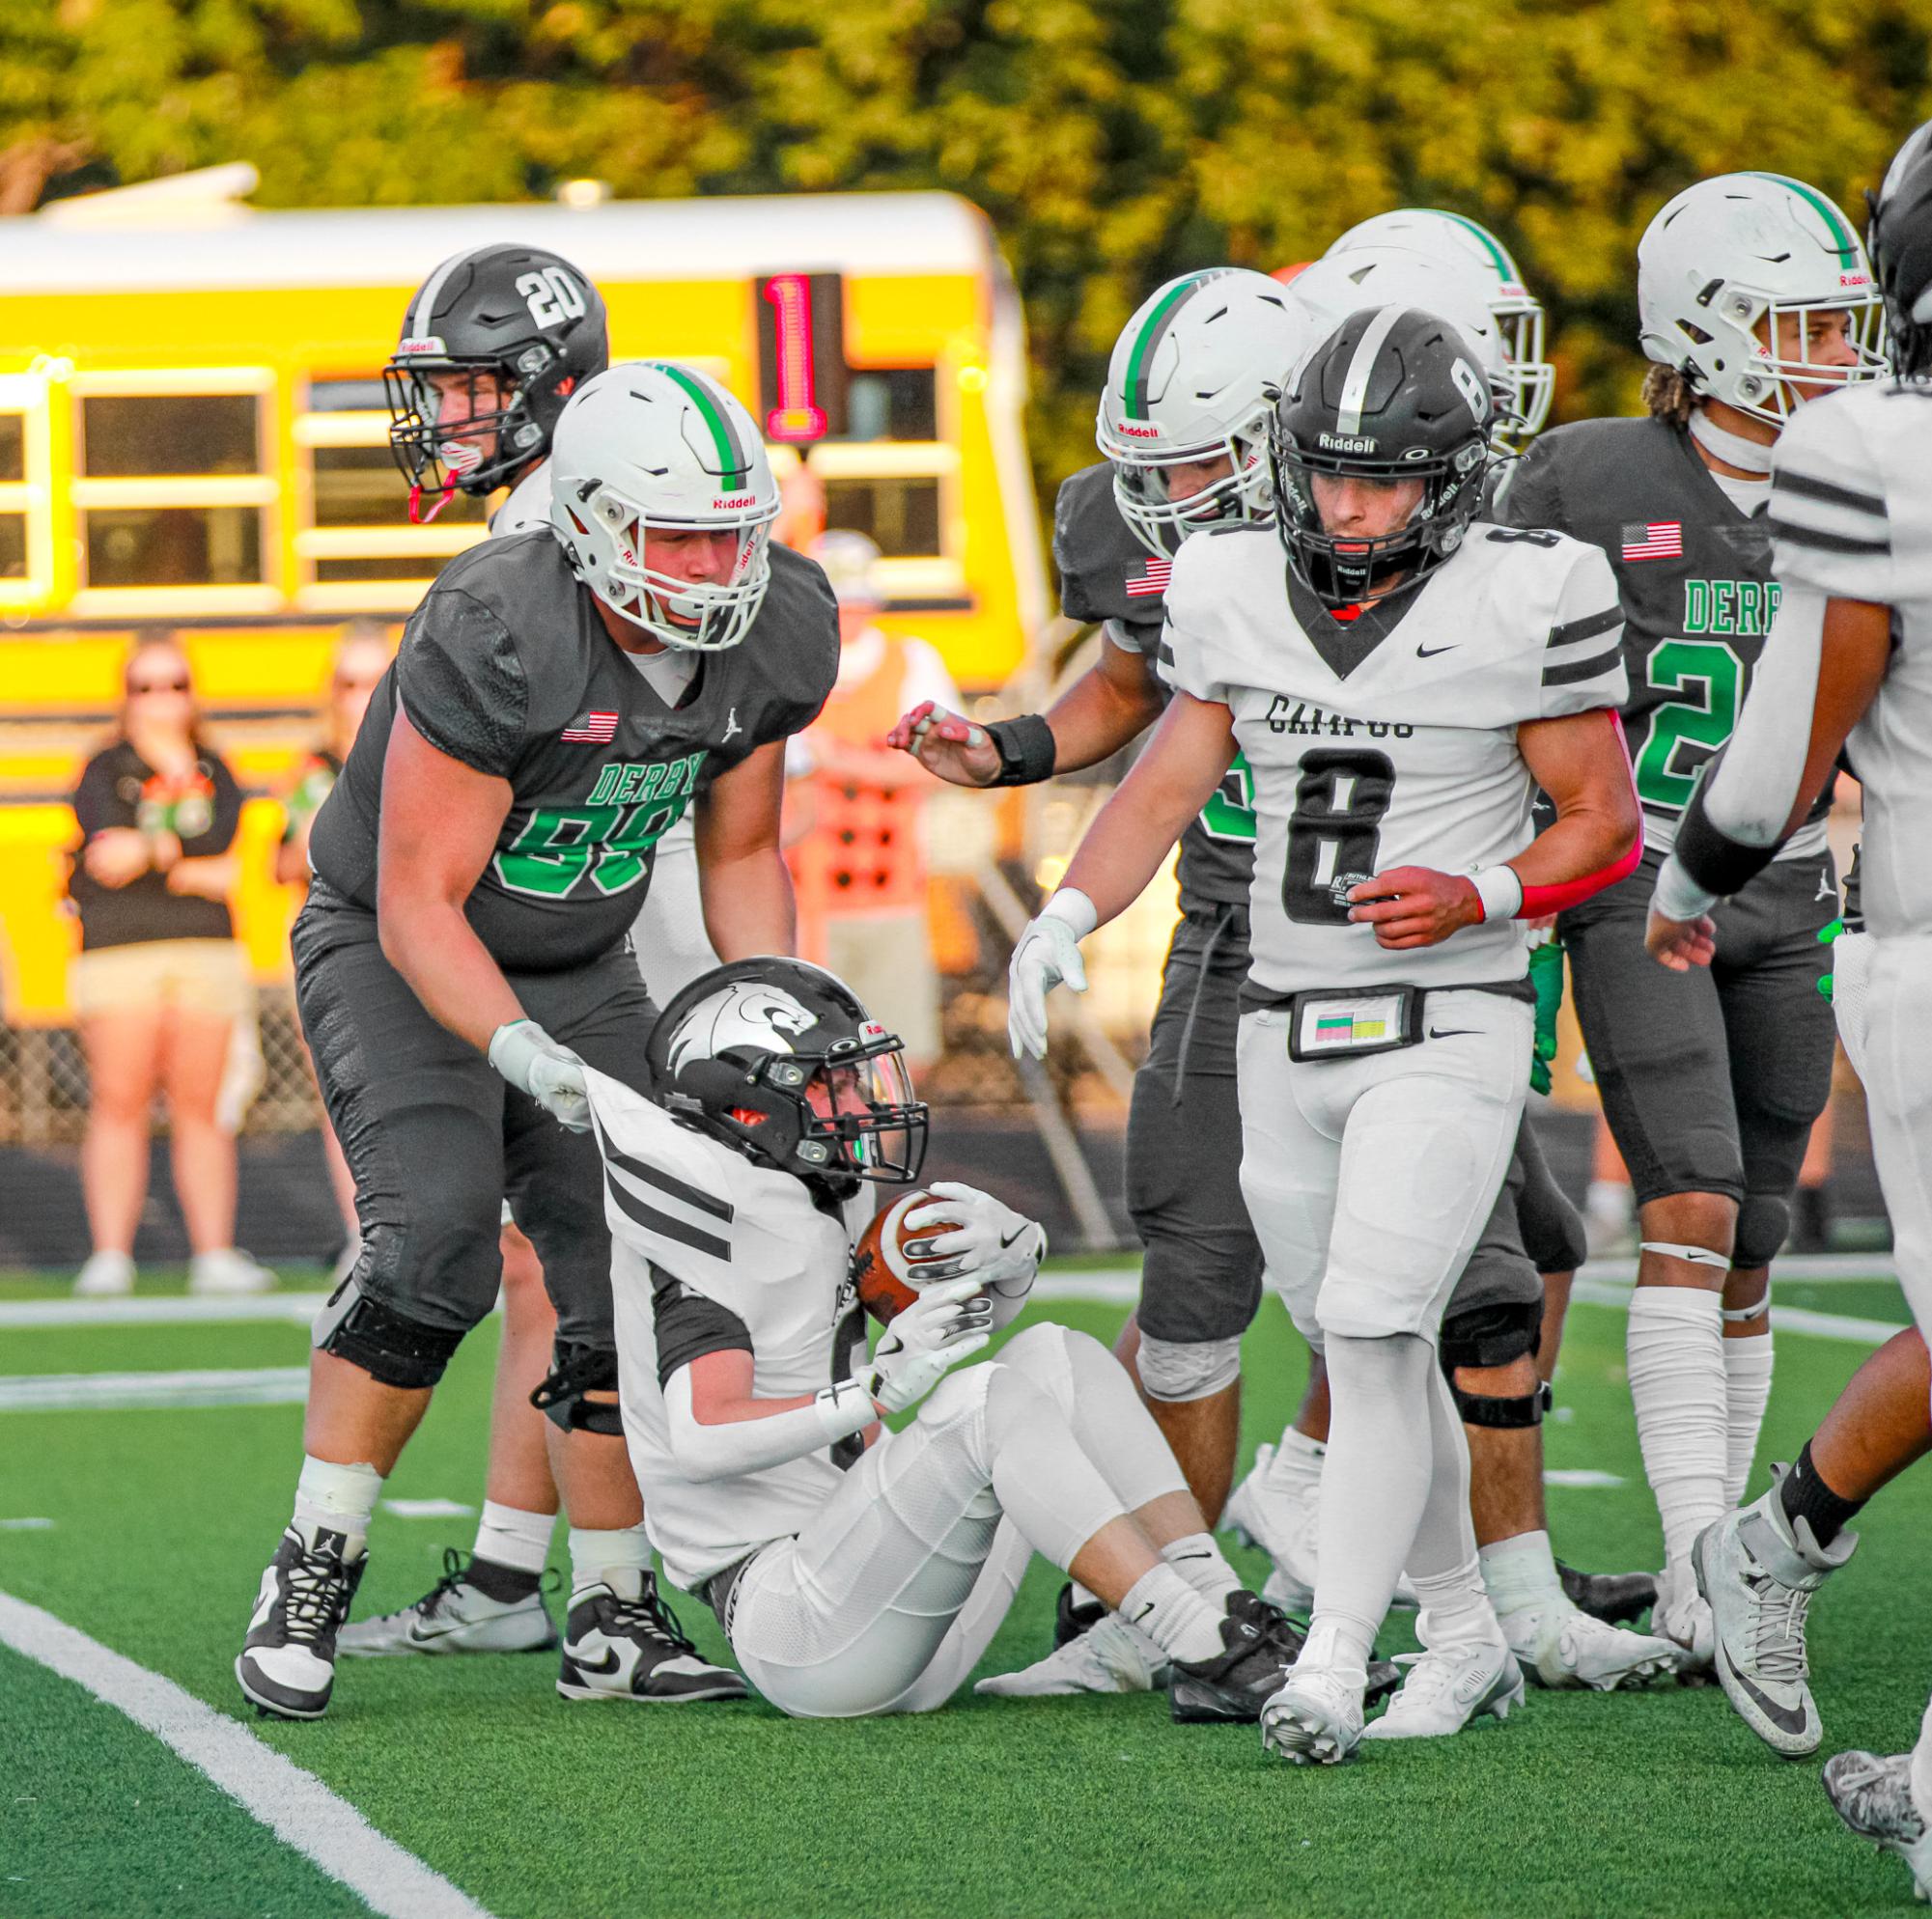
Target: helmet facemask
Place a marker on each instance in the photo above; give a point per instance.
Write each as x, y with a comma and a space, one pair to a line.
1142, 480
862, 1112
440, 458
1760, 383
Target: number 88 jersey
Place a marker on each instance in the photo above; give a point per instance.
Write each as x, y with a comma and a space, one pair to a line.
1389, 738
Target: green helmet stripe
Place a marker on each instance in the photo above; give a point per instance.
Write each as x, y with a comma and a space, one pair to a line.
1841, 236
1498, 258
1133, 398
731, 453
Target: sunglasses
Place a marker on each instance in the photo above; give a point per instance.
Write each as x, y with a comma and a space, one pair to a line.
139, 686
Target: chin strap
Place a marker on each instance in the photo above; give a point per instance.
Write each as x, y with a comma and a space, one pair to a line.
1733, 449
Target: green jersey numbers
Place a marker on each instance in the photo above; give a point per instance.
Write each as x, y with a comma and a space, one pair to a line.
608, 838
1703, 682
1334, 833
1230, 814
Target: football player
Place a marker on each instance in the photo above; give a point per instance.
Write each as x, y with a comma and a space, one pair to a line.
840, 1560
1847, 666
1398, 691
561, 697
1755, 297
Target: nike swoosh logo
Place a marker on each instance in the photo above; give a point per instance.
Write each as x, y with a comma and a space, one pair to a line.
1786, 1718
1430, 653
1450, 1032
1010, 1236
607, 1664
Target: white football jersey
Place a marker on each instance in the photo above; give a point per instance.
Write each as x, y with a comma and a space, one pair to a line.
711, 1252
528, 504
1389, 739
1851, 516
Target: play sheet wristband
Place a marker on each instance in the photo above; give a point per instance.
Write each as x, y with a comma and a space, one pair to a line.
1350, 1022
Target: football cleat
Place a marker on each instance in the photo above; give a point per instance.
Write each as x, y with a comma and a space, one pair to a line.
453, 1615
1448, 1686
1758, 1574
1071, 1619
1615, 1597
1280, 1524
1682, 1613
1872, 1794
1315, 1718
1259, 1644
1558, 1646
1109, 1656
287, 1667
619, 1647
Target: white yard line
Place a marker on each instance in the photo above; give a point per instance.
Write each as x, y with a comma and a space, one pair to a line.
161, 1310
294, 1805
1790, 1318
136, 1392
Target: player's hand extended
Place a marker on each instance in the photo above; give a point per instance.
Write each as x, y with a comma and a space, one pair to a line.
1681, 944
1049, 953
957, 750
1415, 905
973, 1232
552, 1075
945, 1325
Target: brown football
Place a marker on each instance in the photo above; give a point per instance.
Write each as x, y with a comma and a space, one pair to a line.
886, 1260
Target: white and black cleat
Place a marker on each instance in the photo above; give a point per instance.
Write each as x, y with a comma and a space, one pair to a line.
454, 1616
1757, 1576
1448, 1686
619, 1647
1561, 1646
1872, 1794
287, 1667
1109, 1656
1615, 1597
1682, 1614
1315, 1718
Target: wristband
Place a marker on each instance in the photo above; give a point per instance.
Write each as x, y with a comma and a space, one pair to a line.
1027, 751
844, 1409
1679, 897
1500, 891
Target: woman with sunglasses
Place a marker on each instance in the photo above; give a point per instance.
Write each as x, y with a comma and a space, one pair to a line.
161, 982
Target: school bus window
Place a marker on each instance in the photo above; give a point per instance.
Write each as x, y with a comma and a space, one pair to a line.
348, 396
12, 447
891, 403
360, 486
13, 547
397, 566
902, 515
144, 546
136, 435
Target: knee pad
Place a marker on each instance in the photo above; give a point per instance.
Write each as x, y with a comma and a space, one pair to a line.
577, 1370
1491, 1335
1173, 1371
1763, 1221
1504, 1415
393, 1350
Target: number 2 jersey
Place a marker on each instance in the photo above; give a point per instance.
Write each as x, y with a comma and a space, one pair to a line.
1388, 740
1694, 578
1850, 516
507, 667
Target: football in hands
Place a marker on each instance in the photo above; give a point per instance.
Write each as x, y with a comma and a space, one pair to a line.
886, 1262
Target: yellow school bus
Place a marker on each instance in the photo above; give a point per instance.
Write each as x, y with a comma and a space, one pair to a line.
193, 437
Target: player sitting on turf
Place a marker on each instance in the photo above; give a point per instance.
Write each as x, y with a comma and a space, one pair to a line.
838, 1557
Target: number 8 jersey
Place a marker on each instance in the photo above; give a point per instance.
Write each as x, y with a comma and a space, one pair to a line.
1389, 738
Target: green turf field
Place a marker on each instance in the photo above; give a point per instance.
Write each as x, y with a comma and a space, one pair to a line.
1644, 1805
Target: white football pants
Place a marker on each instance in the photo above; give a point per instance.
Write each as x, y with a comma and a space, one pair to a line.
1890, 1059
885, 1600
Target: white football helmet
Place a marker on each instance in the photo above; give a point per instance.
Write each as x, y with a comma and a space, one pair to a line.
1746, 248
652, 444
1438, 235
1195, 376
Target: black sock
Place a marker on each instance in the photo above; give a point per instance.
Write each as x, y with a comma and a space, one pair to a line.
1805, 1495
505, 1584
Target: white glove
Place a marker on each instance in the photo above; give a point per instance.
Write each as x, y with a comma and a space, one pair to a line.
552, 1075
1049, 952
970, 1232
944, 1326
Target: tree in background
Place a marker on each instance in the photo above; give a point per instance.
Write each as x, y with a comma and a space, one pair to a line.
1113, 141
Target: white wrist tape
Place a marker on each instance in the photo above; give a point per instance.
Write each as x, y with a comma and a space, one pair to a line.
1500, 891
1074, 910
844, 1409
1679, 897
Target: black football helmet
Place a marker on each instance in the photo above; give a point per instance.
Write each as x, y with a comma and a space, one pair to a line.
524, 316
1392, 394
777, 1058
1899, 241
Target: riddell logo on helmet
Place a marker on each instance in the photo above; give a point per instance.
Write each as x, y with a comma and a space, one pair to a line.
733, 500
1855, 279
1130, 431
1346, 443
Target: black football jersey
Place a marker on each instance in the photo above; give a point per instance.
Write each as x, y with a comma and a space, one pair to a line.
507, 667
1108, 576
1693, 575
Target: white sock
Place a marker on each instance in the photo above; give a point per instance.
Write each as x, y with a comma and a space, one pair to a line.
1747, 1393
617, 1559
508, 1535
1336, 1640
1198, 1560
341, 1498
1674, 1347
1455, 1608
1296, 1469
1174, 1615
1522, 1572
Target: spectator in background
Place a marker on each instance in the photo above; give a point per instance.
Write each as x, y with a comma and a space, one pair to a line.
160, 985
858, 859
362, 658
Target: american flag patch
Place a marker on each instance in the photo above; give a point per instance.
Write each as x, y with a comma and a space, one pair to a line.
1660, 540
1152, 580
591, 730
